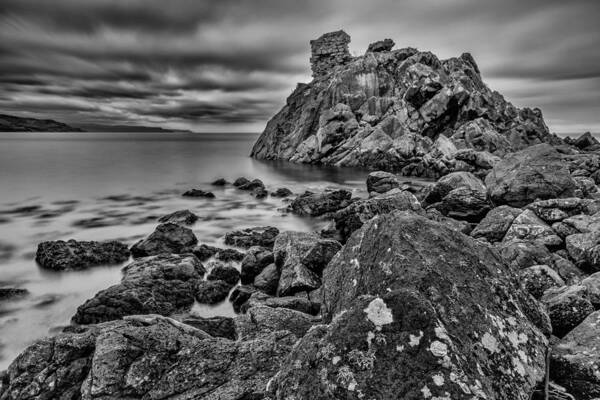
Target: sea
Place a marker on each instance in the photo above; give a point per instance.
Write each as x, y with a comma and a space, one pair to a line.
105, 186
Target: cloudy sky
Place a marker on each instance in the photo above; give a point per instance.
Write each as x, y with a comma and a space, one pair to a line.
227, 65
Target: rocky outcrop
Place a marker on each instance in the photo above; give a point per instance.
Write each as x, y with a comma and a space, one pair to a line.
166, 238
397, 110
60, 255
10, 123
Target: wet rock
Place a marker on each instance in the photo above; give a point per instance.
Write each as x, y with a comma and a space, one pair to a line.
181, 217
261, 320
575, 360
454, 180
259, 193
251, 185
166, 238
220, 182
527, 226
539, 278
355, 215
12, 293
225, 273
267, 280
161, 284
567, 307
537, 172
317, 204
145, 357
204, 251
240, 181
60, 255
240, 295
227, 255
214, 326
282, 192
496, 223
212, 291
292, 302
199, 193
263, 236
381, 182
255, 260
584, 249
301, 257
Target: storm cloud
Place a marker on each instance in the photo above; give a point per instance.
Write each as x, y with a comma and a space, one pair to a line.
228, 65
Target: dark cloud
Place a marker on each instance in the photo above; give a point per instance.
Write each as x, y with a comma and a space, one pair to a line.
229, 64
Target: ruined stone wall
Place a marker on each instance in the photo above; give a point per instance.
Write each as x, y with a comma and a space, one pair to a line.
328, 51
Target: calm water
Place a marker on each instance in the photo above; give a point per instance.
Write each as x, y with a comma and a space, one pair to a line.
100, 186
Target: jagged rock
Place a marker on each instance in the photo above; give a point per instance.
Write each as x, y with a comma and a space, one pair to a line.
575, 360
181, 217
204, 251
166, 238
145, 357
161, 284
586, 186
355, 215
12, 293
381, 182
240, 295
267, 280
316, 204
567, 307
584, 249
300, 258
229, 255
60, 255
394, 111
282, 192
586, 141
263, 236
381, 45
225, 273
212, 291
556, 210
454, 180
537, 172
401, 307
538, 278
527, 226
214, 326
199, 193
255, 260
583, 223
495, 224
292, 302
464, 204
220, 182
592, 285
259, 321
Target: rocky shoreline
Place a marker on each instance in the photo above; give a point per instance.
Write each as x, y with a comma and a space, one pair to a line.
484, 284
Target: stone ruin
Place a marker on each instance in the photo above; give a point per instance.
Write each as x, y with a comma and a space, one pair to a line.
329, 51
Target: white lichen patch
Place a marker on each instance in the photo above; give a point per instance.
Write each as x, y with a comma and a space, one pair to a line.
441, 333
415, 340
489, 343
336, 360
355, 262
426, 392
519, 368
400, 348
345, 378
438, 349
379, 313
370, 337
438, 379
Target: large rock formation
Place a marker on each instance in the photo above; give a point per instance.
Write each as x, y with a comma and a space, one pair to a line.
397, 110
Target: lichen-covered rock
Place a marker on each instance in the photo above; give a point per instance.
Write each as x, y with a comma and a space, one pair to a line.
263, 236
161, 284
182, 217
583, 223
575, 359
259, 321
355, 215
527, 226
267, 280
381, 182
60, 255
538, 172
212, 291
255, 260
567, 307
317, 204
495, 224
539, 278
166, 238
297, 303
584, 249
145, 357
555, 210
416, 310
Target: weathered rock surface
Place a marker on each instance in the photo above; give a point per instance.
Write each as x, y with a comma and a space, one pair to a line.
212, 291
381, 182
399, 110
496, 223
556, 210
229, 255
161, 284
539, 278
263, 236
166, 238
226, 273
297, 303
584, 249
527, 226
538, 172
406, 306
146, 357
268, 279
464, 204
575, 359
214, 326
259, 321
181, 217
567, 307
255, 260
592, 286
317, 204
60, 255
454, 180
204, 251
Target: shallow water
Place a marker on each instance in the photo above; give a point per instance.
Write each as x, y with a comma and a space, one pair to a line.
101, 186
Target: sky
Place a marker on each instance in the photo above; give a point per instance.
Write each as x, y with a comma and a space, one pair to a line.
228, 65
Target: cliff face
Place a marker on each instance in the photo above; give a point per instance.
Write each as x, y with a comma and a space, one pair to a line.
397, 110
9, 123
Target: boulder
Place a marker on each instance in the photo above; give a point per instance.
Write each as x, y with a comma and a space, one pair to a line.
464, 204
575, 360
225, 273
583, 223
592, 286
355, 215
537, 172
181, 217
212, 291
567, 307
584, 250
220, 182
539, 278
199, 193
161, 284
240, 181
255, 260
292, 302
454, 180
496, 223
527, 226
60, 255
251, 185
282, 192
381, 182
267, 280
263, 236
228, 255
556, 210
259, 192
147, 357
317, 204
408, 301
166, 238
204, 251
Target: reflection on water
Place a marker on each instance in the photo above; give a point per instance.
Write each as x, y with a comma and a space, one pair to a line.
90, 186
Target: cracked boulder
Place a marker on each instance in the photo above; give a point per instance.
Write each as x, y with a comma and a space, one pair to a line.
166, 238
